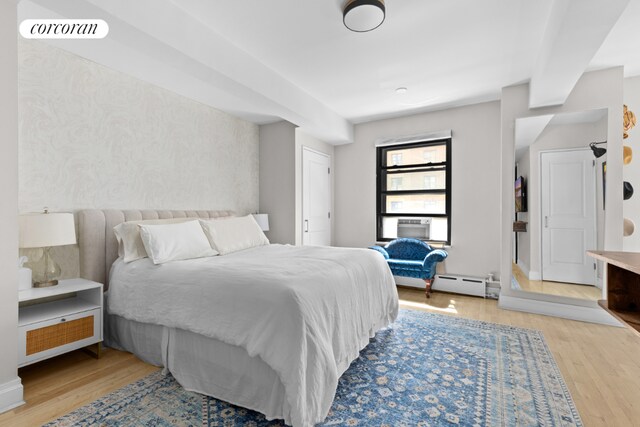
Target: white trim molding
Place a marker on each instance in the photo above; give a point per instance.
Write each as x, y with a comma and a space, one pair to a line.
11, 395
584, 313
423, 137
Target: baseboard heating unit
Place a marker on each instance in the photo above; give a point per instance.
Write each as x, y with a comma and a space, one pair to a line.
465, 285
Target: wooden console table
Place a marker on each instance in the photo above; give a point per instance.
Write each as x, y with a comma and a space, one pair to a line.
623, 285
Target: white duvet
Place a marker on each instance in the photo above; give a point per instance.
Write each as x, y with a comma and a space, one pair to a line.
305, 311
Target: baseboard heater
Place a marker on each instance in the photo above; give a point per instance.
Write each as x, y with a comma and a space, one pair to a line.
465, 285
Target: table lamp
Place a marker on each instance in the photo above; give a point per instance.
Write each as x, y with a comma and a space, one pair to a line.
45, 230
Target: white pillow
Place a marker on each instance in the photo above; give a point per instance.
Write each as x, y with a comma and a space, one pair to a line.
130, 246
234, 234
172, 242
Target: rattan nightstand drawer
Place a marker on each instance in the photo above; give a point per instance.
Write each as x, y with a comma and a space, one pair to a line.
56, 336
65, 332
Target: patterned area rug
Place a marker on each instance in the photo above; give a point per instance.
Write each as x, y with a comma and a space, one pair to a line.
424, 370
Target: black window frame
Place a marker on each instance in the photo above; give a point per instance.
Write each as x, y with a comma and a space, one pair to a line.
381, 184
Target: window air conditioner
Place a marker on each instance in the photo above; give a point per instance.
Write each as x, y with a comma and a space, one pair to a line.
416, 228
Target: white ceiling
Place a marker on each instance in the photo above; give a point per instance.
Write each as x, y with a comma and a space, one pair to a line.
445, 52
621, 47
294, 59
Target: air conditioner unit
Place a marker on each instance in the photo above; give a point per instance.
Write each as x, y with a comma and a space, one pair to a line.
417, 228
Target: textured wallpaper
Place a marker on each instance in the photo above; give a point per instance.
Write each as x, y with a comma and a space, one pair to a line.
92, 137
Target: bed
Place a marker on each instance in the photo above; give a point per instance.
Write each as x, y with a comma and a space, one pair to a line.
270, 328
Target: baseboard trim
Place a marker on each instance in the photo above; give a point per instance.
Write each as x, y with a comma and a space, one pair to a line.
590, 314
11, 395
534, 275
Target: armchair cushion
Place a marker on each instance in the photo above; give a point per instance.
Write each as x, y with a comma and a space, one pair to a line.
406, 248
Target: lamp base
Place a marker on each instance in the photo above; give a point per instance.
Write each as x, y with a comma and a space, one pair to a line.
45, 284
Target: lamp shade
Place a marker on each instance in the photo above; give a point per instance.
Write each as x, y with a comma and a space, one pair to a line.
598, 151
262, 220
40, 230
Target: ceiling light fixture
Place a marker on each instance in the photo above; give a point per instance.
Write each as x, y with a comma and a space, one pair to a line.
597, 151
401, 90
363, 15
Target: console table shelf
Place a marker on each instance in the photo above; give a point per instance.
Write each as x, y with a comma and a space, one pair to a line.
629, 317
623, 286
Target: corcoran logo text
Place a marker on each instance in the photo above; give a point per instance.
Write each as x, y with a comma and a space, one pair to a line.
64, 28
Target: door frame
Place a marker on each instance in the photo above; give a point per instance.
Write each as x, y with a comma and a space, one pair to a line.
541, 218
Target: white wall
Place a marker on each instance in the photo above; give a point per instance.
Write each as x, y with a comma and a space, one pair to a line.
277, 180
10, 385
281, 178
597, 89
475, 243
631, 171
305, 140
92, 137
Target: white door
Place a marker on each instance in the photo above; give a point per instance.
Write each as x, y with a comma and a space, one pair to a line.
568, 213
316, 198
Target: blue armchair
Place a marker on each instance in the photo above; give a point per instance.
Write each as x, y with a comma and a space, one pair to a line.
412, 258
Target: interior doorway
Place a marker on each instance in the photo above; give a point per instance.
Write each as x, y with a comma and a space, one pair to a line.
568, 215
316, 198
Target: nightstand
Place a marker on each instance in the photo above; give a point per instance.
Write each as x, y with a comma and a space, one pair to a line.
58, 319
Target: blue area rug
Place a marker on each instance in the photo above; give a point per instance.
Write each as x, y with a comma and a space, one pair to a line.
424, 370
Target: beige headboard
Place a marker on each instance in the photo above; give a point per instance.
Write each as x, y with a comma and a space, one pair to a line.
98, 245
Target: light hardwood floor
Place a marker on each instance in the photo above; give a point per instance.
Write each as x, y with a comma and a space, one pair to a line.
600, 364
556, 288
57, 386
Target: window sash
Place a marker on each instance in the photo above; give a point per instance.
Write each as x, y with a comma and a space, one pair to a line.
386, 172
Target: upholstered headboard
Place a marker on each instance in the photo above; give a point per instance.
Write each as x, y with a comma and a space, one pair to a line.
98, 244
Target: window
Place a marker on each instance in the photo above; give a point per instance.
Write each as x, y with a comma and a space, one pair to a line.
396, 206
429, 182
396, 184
396, 159
414, 182
428, 156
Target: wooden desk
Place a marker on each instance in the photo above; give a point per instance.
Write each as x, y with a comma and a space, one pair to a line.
623, 285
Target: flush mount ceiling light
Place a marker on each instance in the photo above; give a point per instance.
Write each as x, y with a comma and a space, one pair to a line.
363, 15
401, 90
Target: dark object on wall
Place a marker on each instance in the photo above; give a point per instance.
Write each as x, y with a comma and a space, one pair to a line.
520, 226
521, 194
627, 190
597, 151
